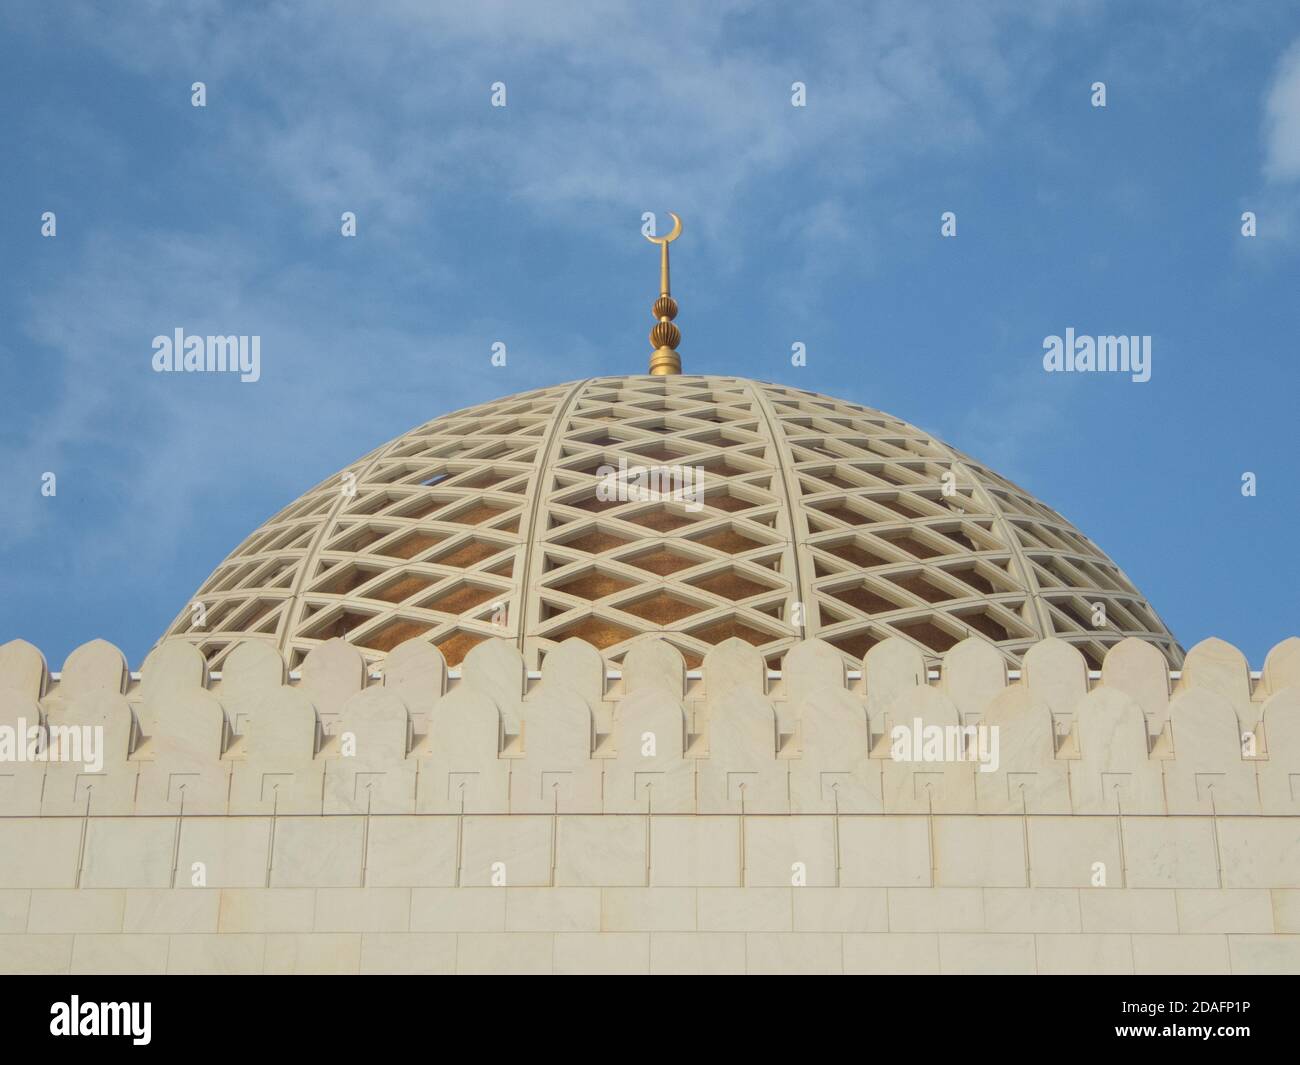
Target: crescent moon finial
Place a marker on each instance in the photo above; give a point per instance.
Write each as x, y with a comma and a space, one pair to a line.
676, 232
665, 336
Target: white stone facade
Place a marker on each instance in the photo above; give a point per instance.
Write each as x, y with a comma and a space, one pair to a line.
392, 817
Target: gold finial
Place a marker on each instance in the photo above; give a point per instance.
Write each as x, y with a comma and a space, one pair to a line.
664, 335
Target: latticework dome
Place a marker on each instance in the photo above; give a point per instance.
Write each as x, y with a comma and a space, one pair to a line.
820, 518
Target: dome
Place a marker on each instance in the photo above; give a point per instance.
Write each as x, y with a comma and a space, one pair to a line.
812, 517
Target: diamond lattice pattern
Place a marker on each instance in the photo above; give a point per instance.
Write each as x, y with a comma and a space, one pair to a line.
814, 517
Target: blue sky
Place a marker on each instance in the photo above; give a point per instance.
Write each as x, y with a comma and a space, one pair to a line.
818, 224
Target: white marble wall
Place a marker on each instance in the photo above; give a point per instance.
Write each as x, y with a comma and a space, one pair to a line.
414, 822
338, 740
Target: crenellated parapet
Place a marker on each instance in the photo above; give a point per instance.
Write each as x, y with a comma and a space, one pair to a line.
410, 736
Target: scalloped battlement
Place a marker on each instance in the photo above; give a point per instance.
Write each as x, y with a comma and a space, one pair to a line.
651, 737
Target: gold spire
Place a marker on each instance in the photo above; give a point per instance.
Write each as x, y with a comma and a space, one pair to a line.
663, 334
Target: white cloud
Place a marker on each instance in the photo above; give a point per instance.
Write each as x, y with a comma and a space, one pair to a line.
1282, 120
169, 452
617, 106
1275, 202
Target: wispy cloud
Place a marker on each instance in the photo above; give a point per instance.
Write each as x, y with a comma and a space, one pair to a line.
169, 448
613, 105
1282, 120
1275, 200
